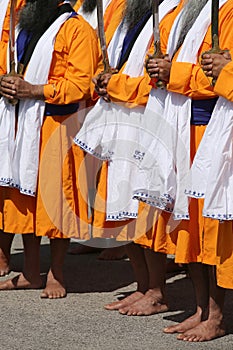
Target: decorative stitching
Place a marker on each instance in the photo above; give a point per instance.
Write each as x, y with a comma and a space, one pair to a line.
90, 150
121, 215
218, 216
9, 182
194, 194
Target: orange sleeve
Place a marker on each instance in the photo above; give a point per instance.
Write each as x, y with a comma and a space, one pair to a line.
224, 83
5, 36
189, 79
135, 91
73, 64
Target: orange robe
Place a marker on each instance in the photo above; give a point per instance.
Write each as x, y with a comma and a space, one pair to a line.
197, 240
78, 4
60, 207
224, 87
149, 229
5, 36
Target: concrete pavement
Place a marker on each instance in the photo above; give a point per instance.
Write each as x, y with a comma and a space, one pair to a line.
79, 322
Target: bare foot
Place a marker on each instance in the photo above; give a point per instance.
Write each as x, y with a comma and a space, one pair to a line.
184, 326
82, 249
20, 282
116, 305
54, 289
116, 253
4, 264
149, 304
204, 331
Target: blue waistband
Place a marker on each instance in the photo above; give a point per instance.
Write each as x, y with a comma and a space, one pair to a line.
60, 109
202, 110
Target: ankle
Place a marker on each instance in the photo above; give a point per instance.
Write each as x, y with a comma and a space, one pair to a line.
56, 274
155, 293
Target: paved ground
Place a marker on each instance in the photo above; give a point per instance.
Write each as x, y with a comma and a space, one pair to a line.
79, 321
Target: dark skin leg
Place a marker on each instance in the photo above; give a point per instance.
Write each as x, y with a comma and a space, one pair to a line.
153, 301
5, 249
55, 287
137, 258
199, 275
30, 277
213, 327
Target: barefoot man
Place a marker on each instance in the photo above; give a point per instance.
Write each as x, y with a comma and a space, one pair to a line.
112, 10
198, 240
128, 89
58, 54
6, 239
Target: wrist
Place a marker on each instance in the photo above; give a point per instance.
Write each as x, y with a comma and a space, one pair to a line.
37, 92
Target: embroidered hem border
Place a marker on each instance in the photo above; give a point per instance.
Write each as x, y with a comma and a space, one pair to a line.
161, 203
194, 194
12, 184
90, 150
121, 216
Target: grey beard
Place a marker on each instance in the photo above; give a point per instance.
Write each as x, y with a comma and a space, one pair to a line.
191, 11
89, 6
135, 10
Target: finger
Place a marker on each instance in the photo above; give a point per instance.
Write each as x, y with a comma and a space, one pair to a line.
7, 95
207, 67
209, 73
206, 61
94, 80
153, 71
152, 66
205, 56
102, 92
6, 83
154, 75
8, 90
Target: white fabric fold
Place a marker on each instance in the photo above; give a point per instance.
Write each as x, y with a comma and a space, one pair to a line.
211, 175
91, 18
111, 131
20, 153
167, 162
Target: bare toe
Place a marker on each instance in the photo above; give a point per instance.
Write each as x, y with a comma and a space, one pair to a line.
124, 303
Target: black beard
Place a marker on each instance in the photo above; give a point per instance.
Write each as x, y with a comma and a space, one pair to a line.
135, 10
89, 6
38, 15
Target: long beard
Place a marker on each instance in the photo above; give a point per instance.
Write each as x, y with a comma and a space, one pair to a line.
89, 6
135, 10
191, 11
37, 15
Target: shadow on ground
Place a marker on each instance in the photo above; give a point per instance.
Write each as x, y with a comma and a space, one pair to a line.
86, 274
